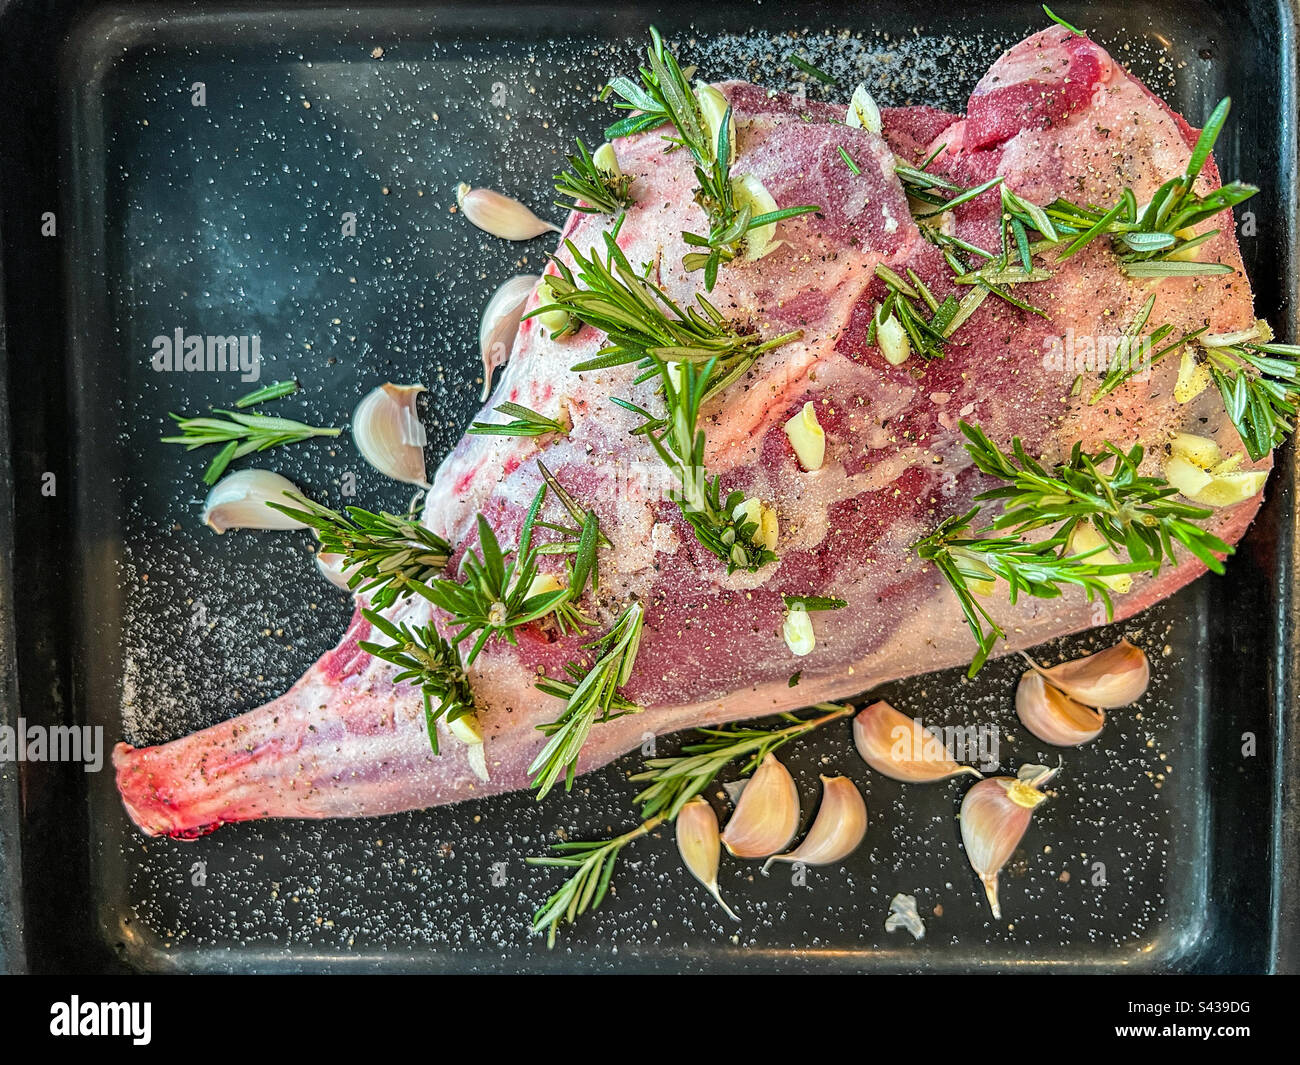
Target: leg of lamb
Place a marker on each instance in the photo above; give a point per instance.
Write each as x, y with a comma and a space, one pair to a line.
1054, 116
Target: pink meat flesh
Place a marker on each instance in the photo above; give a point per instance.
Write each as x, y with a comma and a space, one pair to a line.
1055, 116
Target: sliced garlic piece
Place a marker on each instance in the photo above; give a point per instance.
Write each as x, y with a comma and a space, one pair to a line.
1199, 450
1193, 377
500, 215
557, 321
748, 191
1228, 489
713, 105
764, 519
769, 530
863, 111
838, 828
1227, 340
798, 631
606, 159
1084, 539
994, 816
238, 501
542, 584
700, 847
1186, 476
389, 434
1114, 677
1053, 716
807, 438
500, 323
767, 815
892, 339
467, 729
902, 748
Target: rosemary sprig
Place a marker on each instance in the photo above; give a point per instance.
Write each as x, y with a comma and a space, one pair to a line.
585, 889
673, 782
1132, 513
276, 391
591, 697
799, 63
526, 423
240, 434
493, 598
429, 662
1260, 386
927, 330
643, 325
1129, 358
665, 96
386, 555
591, 188
680, 443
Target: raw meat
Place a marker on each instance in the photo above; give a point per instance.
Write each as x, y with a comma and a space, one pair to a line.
1054, 116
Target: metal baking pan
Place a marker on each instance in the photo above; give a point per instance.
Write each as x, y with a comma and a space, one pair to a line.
225, 219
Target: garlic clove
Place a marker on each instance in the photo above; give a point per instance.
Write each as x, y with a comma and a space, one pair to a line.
1114, 677
762, 516
863, 111
1228, 489
331, 565
606, 159
797, 630
767, 815
1084, 539
892, 339
1193, 377
1186, 476
713, 106
807, 438
467, 729
902, 748
748, 191
238, 501
769, 530
500, 215
1053, 716
700, 846
838, 828
1198, 450
994, 816
557, 321
389, 434
500, 324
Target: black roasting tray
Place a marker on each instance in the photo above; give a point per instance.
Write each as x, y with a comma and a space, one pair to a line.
226, 219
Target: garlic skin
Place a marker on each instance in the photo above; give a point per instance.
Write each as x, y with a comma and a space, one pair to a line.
1053, 716
389, 434
837, 830
500, 215
1114, 677
500, 324
994, 816
238, 501
903, 914
901, 748
767, 815
700, 846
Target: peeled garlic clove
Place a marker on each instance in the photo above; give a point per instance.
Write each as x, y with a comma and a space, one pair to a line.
994, 816
500, 323
1053, 716
467, 729
1084, 539
797, 631
606, 159
1186, 476
1114, 677
1193, 377
500, 215
748, 191
807, 438
1227, 489
699, 845
892, 340
767, 815
557, 322
863, 112
902, 748
1198, 450
389, 434
238, 501
837, 830
713, 106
